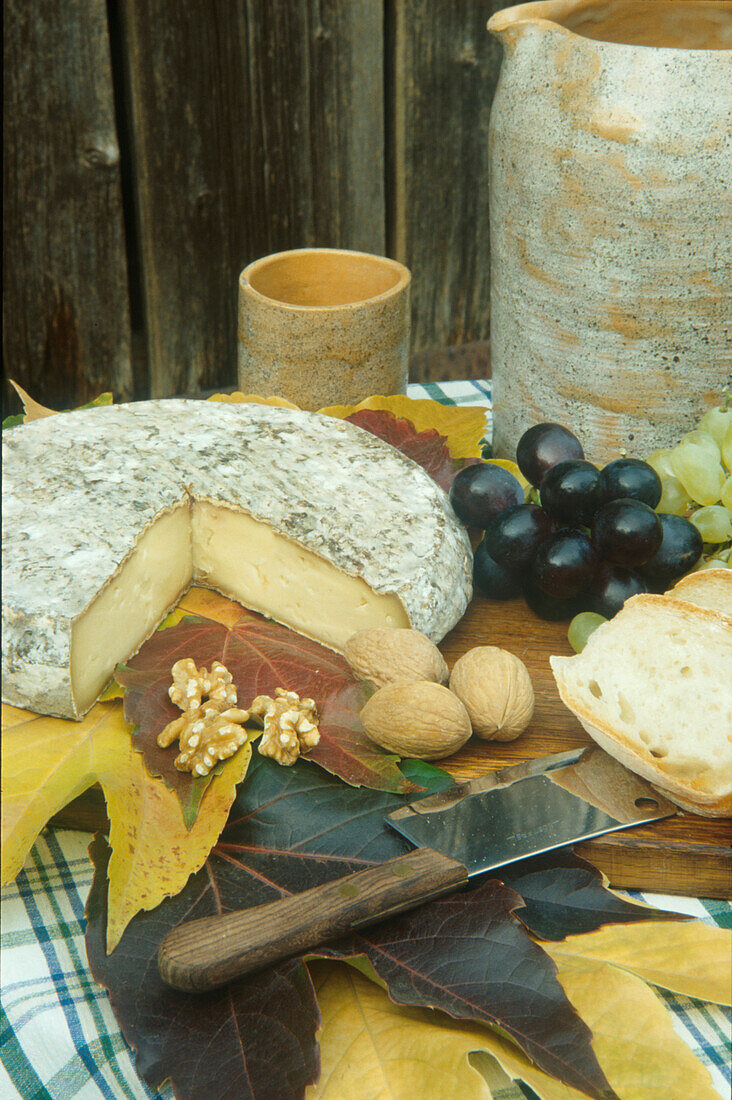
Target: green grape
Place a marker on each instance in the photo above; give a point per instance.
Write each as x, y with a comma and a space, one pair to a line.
661, 462
702, 439
716, 422
723, 557
726, 496
674, 497
711, 563
713, 522
698, 472
727, 449
581, 627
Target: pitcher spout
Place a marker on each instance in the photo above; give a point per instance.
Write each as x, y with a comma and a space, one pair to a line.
510, 24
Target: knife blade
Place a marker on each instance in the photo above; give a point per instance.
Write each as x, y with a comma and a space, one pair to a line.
472, 828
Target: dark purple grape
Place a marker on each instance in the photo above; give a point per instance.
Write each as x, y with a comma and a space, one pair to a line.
548, 607
612, 586
570, 492
565, 563
513, 537
680, 550
626, 532
481, 491
630, 479
491, 579
542, 447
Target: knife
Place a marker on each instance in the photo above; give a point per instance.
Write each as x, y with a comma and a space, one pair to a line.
465, 830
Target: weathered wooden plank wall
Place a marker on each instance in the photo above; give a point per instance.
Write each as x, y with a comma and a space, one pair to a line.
245, 127
256, 128
66, 334
445, 66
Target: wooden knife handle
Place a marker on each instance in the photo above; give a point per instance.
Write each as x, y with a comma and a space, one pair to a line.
209, 952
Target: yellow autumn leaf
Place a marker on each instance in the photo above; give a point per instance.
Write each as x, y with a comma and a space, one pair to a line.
633, 1038
686, 957
31, 408
113, 690
33, 411
372, 1049
462, 425
46, 762
211, 605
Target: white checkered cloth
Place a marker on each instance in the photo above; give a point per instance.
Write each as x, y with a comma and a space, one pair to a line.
60, 1039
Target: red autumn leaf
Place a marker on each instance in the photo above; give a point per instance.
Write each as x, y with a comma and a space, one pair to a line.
261, 657
429, 449
291, 829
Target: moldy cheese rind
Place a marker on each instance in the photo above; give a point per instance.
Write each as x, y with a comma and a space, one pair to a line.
109, 514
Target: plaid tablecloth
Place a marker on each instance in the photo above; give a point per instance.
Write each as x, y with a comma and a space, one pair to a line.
60, 1039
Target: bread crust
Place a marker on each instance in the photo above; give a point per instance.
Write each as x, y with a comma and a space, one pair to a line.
689, 794
710, 579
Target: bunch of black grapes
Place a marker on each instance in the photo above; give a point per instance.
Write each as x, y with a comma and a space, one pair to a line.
592, 541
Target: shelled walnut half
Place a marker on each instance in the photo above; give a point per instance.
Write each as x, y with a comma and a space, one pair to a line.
210, 729
190, 684
290, 725
205, 737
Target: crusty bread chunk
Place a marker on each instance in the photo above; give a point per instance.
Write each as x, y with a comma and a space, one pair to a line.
653, 687
706, 588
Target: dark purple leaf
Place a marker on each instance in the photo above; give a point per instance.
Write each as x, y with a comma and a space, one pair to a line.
467, 956
253, 1040
564, 896
294, 828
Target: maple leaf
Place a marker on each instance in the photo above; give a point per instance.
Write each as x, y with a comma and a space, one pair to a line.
46, 762
261, 656
293, 828
633, 1036
565, 895
371, 1047
255, 1039
428, 449
33, 411
462, 427
690, 959
467, 956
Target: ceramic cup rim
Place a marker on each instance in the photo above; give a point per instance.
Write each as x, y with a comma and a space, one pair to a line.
403, 280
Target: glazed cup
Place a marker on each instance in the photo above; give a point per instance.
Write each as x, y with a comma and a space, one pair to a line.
324, 326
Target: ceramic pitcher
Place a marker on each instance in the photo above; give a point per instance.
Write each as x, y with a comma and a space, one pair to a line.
611, 219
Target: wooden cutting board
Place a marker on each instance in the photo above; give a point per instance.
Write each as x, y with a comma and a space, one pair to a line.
685, 854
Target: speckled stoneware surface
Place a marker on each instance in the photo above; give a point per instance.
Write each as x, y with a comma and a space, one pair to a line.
611, 220
324, 326
80, 488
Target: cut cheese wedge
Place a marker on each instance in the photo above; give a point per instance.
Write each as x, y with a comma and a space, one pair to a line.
109, 515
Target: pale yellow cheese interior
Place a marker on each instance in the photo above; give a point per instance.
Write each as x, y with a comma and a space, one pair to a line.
222, 548
246, 559
149, 581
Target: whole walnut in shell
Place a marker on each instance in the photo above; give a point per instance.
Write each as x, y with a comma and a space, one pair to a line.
420, 720
496, 690
387, 655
